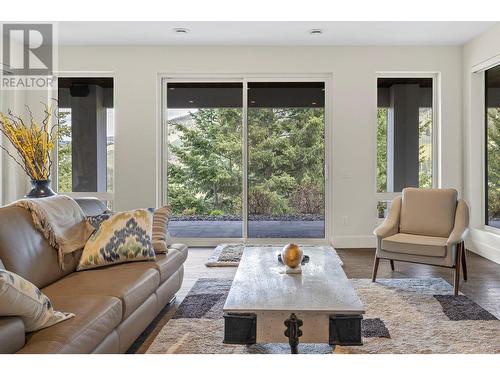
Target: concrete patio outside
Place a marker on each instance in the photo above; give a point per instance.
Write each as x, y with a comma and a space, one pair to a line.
256, 229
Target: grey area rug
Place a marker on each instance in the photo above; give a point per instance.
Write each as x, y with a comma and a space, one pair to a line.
402, 316
229, 255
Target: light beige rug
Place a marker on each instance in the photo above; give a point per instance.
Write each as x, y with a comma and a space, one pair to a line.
402, 316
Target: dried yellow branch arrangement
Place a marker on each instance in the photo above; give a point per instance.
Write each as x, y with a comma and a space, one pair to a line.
34, 141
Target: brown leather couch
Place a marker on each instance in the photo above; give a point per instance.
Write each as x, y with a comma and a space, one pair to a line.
112, 305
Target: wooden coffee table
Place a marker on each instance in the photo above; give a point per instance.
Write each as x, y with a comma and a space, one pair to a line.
266, 305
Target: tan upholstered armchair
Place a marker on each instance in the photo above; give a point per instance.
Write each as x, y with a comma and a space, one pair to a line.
425, 226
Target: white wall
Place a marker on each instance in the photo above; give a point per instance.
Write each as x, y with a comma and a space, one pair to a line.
354, 110
479, 53
14, 183
13, 180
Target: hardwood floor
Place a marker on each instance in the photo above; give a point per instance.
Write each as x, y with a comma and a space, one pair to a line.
482, 286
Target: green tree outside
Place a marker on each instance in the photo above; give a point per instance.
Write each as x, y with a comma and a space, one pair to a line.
64, 166
493, 155
285, 154
382, 115
424, 154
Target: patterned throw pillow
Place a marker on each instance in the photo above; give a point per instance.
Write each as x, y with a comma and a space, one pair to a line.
19, 297
124, 237
160, 235
97, 220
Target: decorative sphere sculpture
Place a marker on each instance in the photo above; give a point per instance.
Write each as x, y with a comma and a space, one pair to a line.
292, 255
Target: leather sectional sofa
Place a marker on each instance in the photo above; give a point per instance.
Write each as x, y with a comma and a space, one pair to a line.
112, 305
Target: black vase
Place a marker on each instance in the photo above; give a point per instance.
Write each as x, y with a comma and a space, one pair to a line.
40, 189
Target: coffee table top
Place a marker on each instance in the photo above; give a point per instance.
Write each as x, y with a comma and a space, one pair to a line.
261, 284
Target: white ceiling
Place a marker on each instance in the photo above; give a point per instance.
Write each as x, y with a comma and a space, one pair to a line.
270, 33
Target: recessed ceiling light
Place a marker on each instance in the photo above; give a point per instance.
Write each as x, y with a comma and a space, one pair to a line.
191, 101
315, 31
252, 101
313, 103
181, 30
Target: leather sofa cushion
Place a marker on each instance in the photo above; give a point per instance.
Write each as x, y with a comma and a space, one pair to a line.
132, 283
95, 318
42, 347
25, 251
11, 334
415, 245
428, 212
168, 264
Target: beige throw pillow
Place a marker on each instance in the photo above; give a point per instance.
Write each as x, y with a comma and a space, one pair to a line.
19, 297
161, 216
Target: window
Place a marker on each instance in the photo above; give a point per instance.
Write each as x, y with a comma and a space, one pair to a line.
383, 208
86, 146
278, 165
404, 133
492, 115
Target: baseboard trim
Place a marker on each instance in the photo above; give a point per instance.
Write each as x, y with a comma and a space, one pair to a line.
354, 241
485, 250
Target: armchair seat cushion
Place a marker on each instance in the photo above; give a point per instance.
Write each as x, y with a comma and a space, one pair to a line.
415, 245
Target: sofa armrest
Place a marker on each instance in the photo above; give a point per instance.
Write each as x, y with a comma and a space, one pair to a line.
461, 226
91, 206
390, 226
12, 334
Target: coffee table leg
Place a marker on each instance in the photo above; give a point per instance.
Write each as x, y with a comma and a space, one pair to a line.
293, 332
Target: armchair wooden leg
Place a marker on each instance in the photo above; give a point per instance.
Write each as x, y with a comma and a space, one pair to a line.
375, 269
457, 270
392, 264
464, 261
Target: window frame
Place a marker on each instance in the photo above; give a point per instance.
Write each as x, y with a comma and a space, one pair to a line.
485, 153
162, 151
105, 196
477, 115
484, 145
436, 132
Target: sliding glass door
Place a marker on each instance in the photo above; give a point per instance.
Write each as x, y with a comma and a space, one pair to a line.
245, 159
204, 184
286, 159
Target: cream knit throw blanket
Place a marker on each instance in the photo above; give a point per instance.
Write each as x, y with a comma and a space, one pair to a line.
61, 221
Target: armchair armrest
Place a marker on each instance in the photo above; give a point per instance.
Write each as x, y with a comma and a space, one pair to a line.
390, 226
461, 226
